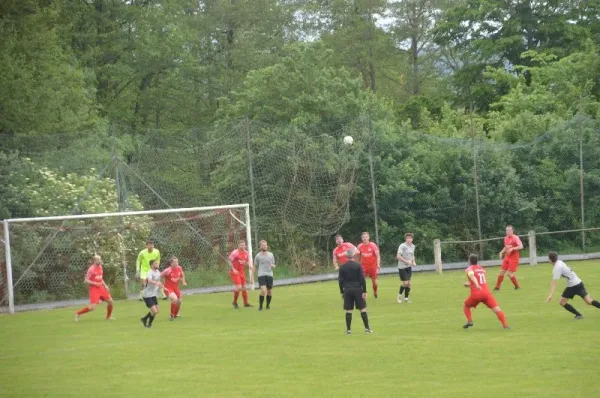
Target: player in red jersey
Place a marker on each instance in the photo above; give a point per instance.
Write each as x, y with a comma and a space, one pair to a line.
339, 253
173, 274
510, 263
237, 262
370, 259
99, 290
480, 293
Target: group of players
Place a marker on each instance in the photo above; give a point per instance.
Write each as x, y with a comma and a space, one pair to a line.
351, 278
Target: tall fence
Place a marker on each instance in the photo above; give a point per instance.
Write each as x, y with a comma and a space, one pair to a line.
304, 185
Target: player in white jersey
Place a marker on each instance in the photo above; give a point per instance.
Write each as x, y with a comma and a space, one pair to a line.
152, 285
574, 287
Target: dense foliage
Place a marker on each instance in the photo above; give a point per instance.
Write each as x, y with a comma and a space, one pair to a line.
429, 88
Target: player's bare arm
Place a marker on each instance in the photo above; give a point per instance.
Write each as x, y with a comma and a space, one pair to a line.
138, 266
512, 249
405, 261
232, 268
378, 259
552, 289
501, 254
471, 276
335, 262
92, 283
183, 278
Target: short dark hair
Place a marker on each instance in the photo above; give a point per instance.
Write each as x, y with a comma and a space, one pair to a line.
364, 233
153, 261
406, 235
473, 259
149, 241
553, 256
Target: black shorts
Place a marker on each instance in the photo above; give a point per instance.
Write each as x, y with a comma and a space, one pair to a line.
353, 298
265, 280
150, 301
577, 290
405, 273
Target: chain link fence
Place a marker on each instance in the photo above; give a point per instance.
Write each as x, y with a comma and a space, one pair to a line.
303, 186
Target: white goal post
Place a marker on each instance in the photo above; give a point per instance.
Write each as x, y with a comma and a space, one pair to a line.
45, 258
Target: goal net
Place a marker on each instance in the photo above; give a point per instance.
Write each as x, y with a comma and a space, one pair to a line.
49, 256
297, 180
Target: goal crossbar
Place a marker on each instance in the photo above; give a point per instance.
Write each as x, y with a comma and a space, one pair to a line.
125, 213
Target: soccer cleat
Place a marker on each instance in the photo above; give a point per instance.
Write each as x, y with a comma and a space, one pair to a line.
468, 325
399, 299
178, 317
506, 327
260, 308
236, 306
171, 317
111, 318
148, 326
143, 321
368, 331
496, 289
517, 288
76, 317
248, 305
165, 298
375, 295
348, 332
268, 307
578, 317
406, 300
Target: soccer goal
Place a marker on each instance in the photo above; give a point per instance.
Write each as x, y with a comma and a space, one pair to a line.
44, 259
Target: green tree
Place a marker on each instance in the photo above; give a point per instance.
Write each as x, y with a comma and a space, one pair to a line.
43, 88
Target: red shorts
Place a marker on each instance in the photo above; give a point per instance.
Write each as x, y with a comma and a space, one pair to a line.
509, 264
481, 297
168, 290
238, 279
370, 271
98, 295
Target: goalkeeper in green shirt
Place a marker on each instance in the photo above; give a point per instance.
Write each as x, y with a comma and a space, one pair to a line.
142, 265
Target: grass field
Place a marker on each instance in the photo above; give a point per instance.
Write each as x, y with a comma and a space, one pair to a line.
299, 348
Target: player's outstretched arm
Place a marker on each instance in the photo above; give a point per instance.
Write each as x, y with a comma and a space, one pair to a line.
552, 289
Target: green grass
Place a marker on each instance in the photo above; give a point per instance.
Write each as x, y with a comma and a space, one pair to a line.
299, 347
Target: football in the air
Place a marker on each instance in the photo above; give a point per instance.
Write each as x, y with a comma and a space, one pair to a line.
348, 140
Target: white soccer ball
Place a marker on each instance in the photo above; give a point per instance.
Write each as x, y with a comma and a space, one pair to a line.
348, 140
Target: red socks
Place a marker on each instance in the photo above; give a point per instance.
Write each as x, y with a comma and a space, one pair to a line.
375, 288
109, 309
173, 309
177, 307
83, 311
236, 294
502, 318
245, 297
499, 282
468, 314
514, 281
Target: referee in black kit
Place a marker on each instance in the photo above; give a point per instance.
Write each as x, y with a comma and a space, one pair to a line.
354, 291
